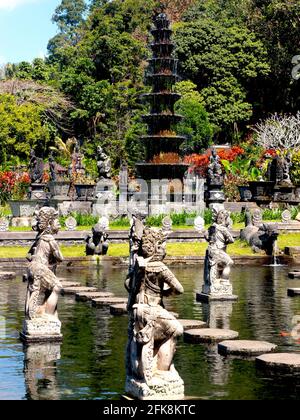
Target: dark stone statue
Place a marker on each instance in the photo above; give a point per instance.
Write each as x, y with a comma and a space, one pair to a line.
279, 170
97, 242
260, 238
215, 173
52, 168
103, 164
35, 168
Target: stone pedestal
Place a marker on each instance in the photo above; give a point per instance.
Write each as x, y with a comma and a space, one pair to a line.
163, 386
67, 207
215, 195
220, 290
105, 203
37, 192
42, 330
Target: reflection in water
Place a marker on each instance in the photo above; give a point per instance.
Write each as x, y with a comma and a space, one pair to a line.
217, 314
219, 365
40, 371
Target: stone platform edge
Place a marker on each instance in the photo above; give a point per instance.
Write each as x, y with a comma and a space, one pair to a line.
85, 262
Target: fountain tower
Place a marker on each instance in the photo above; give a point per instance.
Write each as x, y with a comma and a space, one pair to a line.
163, 162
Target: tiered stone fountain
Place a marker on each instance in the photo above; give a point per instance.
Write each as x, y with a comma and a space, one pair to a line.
162, 144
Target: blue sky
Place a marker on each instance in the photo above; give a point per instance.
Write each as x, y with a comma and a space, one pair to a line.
25, 28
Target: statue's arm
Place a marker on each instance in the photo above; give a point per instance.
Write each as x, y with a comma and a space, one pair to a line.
56, 251
175, 286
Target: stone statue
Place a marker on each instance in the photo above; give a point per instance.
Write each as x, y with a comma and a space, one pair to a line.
217, 262
260, 238
97, 242
35, 168
52, 168
41, 318
152, 329
103, 164
215, 173
279, 170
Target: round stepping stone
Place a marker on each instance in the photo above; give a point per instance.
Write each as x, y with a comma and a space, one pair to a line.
294, 275
108, 301
192, 324
281, 362
246, 347
87, 296
67, 284
292, 292
209, 335
75, 290
120, 309
6, 275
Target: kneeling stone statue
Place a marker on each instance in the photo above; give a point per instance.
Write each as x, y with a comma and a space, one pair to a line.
217, 285
41, 319
152, 330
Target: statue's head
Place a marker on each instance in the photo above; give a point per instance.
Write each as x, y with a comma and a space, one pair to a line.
222, 217
153, 244
46, 221
97, 232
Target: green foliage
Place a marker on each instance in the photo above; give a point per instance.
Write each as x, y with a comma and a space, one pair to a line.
195, 125
222, 58
295, 172
22, 127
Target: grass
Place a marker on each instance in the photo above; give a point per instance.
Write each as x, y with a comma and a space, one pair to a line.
122, 250
177, 249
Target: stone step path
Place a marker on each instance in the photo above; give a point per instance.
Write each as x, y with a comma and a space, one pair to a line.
190, 324
7, 275
245, 347
280, 362
75, 290
294, 275
67, 284
108, 301
209, 335
118, 309
292, 292
88, 296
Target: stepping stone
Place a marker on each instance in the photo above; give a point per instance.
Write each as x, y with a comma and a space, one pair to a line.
87, 296
108, 301
280, 362
209, 335
192, 324
119, 309
6, 275
292, 292
246, 347
67, 284
75, 290
294, 275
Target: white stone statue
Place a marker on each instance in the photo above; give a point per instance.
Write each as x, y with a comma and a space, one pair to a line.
152, 329
41, 318
217, 262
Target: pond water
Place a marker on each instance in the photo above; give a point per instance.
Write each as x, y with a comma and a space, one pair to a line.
90, 362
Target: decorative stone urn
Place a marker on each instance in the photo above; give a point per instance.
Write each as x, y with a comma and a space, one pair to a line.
59, 189
85, 192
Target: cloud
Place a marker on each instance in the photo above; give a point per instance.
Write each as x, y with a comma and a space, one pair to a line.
12, 4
